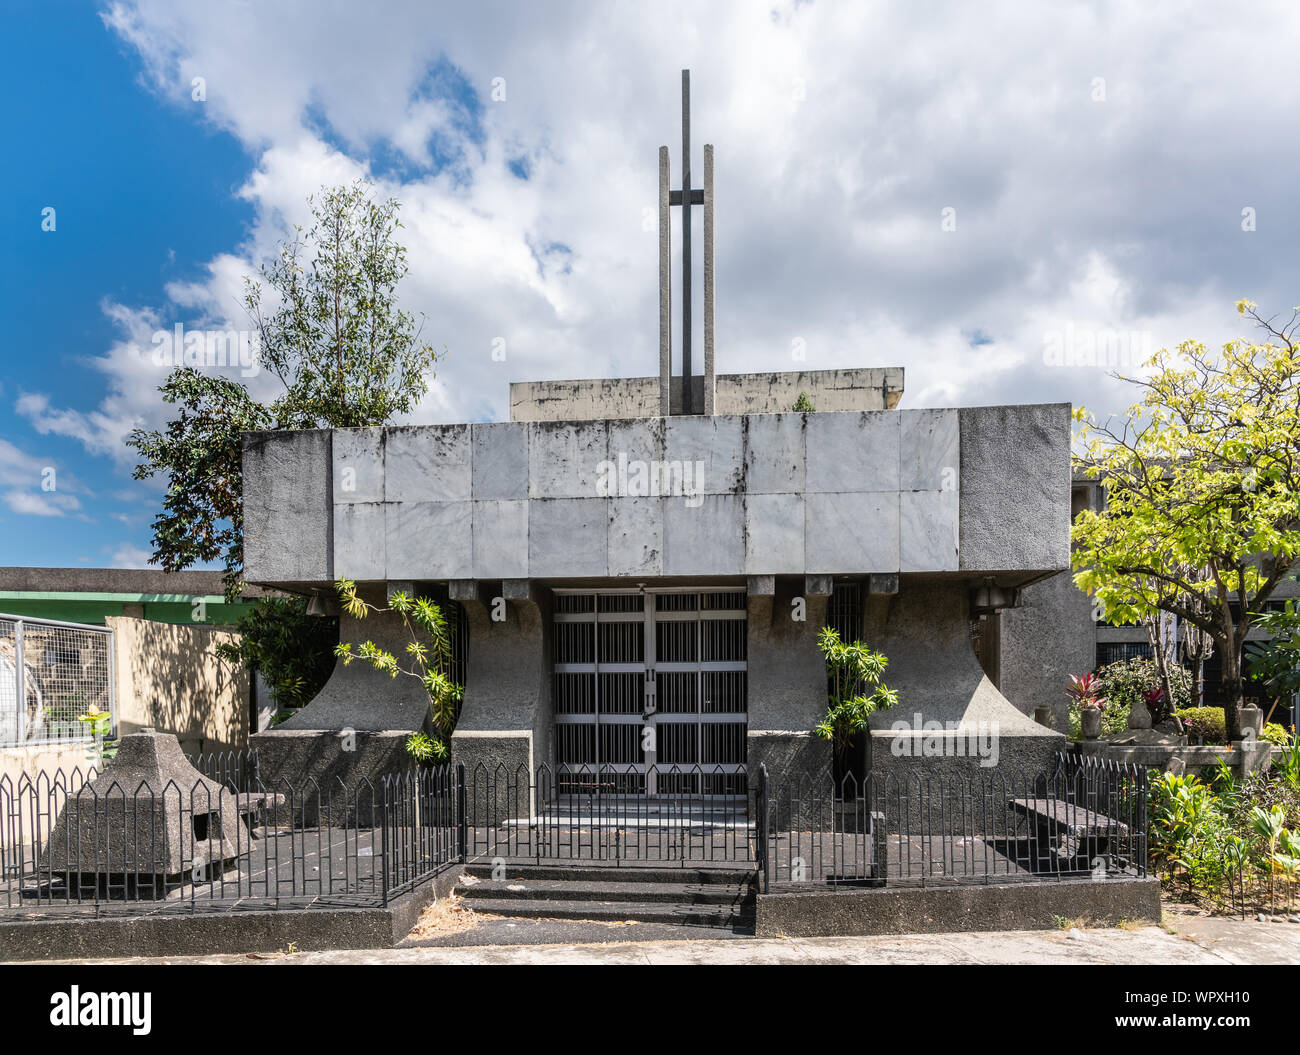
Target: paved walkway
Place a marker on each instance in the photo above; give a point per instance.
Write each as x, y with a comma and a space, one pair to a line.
1199, 940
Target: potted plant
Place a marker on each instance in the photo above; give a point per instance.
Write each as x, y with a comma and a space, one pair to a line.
1085, 691
1142, 714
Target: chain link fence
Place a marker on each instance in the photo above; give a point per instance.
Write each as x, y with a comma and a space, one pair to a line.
50, 673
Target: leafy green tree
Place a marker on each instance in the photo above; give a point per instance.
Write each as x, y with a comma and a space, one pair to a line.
328, 321
202, 509
293, 651
1276, 663
330, 331
1201, 477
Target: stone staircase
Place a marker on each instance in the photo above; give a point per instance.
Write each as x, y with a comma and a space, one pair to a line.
673, 896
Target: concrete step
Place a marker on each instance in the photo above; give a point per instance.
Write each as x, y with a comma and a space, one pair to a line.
598, 890
639, 912
728, 876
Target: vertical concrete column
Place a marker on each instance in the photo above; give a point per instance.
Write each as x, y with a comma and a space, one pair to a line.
710, 378
505, 719
787, 681
665, 288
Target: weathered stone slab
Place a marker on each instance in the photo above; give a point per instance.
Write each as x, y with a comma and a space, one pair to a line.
636, 536
500, 460
1015, 487
929, 450
429, 540
568, 536
715, 446
927, 534
774, 454
565, 459
500, 541
856, 532
429, 463
359, 538
704, 539
852, 452
358, 465
774, 534
288, 521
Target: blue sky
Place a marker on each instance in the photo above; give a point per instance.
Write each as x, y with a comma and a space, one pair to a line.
131, 178
956, 194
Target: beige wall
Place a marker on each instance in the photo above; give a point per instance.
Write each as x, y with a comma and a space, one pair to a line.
31, 760
169, 676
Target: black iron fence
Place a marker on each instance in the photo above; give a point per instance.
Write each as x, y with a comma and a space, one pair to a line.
1080, 818
68, 842
679, 815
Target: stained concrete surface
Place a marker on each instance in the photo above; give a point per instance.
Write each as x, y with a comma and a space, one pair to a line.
1199, 940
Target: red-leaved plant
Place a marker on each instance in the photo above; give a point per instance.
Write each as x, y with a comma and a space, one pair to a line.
1085, 689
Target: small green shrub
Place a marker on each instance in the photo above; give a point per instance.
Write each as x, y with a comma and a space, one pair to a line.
1275, 734
1114, 719
1127, 681
856, 688
1205, 722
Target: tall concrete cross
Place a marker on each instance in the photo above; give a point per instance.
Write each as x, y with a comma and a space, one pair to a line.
686, 197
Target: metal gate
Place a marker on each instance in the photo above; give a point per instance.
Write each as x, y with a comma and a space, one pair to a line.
650, 692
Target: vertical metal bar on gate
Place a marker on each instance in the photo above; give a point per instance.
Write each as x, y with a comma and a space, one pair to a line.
462, 817
383, 840
112, 684
762, 803
20, 684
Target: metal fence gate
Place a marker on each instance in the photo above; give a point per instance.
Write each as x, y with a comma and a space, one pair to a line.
52, 672
650, 692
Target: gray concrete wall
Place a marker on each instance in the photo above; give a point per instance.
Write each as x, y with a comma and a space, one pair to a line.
870, 388
836, 493
507, 715
787, 685
1049, 637
1015, 471
288, 511
925, 633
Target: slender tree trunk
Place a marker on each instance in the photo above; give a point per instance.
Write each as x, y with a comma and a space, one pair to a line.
1155, 636
1233, 692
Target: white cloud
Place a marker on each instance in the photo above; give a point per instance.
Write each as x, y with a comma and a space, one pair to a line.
841, 130
129, 556
36, 486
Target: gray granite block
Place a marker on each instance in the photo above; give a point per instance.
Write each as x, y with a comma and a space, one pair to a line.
358, 465
501, 539
568, 536
429, 540
851, 533
359, 541
928, 531
853, 452
428, 463
774, 534
714, 445
500, 460
929, 450
565, 460
636, 536
704, 539
774, 454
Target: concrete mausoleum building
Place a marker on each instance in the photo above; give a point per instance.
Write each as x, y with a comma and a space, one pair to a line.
644, 564
608, 561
